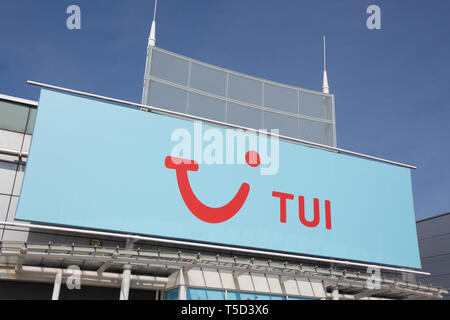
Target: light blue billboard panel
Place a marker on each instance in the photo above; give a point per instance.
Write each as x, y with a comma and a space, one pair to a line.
98, 165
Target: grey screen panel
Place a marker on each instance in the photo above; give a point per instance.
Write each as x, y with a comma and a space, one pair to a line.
317, 132
208, 80
244, 116
287, 125
189, 86
206, 107
167, 97
245, 90
170, 68
281, 98
313, 105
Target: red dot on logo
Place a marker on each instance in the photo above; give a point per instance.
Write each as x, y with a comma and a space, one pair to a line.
253, 159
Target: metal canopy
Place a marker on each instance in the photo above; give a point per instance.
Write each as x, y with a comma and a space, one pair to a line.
151, 269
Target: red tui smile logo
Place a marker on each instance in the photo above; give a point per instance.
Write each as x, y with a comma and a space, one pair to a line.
198, 209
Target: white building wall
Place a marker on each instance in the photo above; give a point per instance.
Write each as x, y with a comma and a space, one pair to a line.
11, 177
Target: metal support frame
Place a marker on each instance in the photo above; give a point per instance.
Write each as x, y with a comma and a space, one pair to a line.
88, 278
370, 293
145, 262
106, 264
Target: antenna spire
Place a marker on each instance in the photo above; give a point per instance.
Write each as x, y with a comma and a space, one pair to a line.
325, 87
152, 37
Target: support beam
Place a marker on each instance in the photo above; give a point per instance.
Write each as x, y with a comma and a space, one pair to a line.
237, 274
44, 274
369, 293
287, 277
125, 287
19, 263
20, 260
106, 264
57, 285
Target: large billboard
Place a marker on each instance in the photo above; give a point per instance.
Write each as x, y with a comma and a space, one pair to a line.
95, 164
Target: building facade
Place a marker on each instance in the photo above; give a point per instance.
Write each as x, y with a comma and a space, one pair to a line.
40, 259
434, 243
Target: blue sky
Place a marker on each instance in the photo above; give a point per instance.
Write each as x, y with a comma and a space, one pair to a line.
391, 85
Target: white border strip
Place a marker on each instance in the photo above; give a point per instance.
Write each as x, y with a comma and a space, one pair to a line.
18, 100
208, 246
183, 115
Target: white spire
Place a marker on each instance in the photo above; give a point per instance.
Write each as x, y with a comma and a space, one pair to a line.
152, 37
325, 87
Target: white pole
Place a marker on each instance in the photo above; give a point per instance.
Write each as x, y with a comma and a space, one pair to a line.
125, 287
182, 286
335, 294
325, 87
152, 38
57, 285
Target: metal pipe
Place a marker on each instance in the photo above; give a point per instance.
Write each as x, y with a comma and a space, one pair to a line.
85, 274
183, 115
210, 246
15, 153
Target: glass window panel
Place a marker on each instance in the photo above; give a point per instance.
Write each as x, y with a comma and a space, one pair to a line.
31, 121
10, 140
7, 175
204, 294
167, 97
287, 125
13, 116
281, 98
246, 90
317, 132
4, 205
233, 295
315, 105
18, 180
244, 116
206, 107
208, 79
170, 68
171, 294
